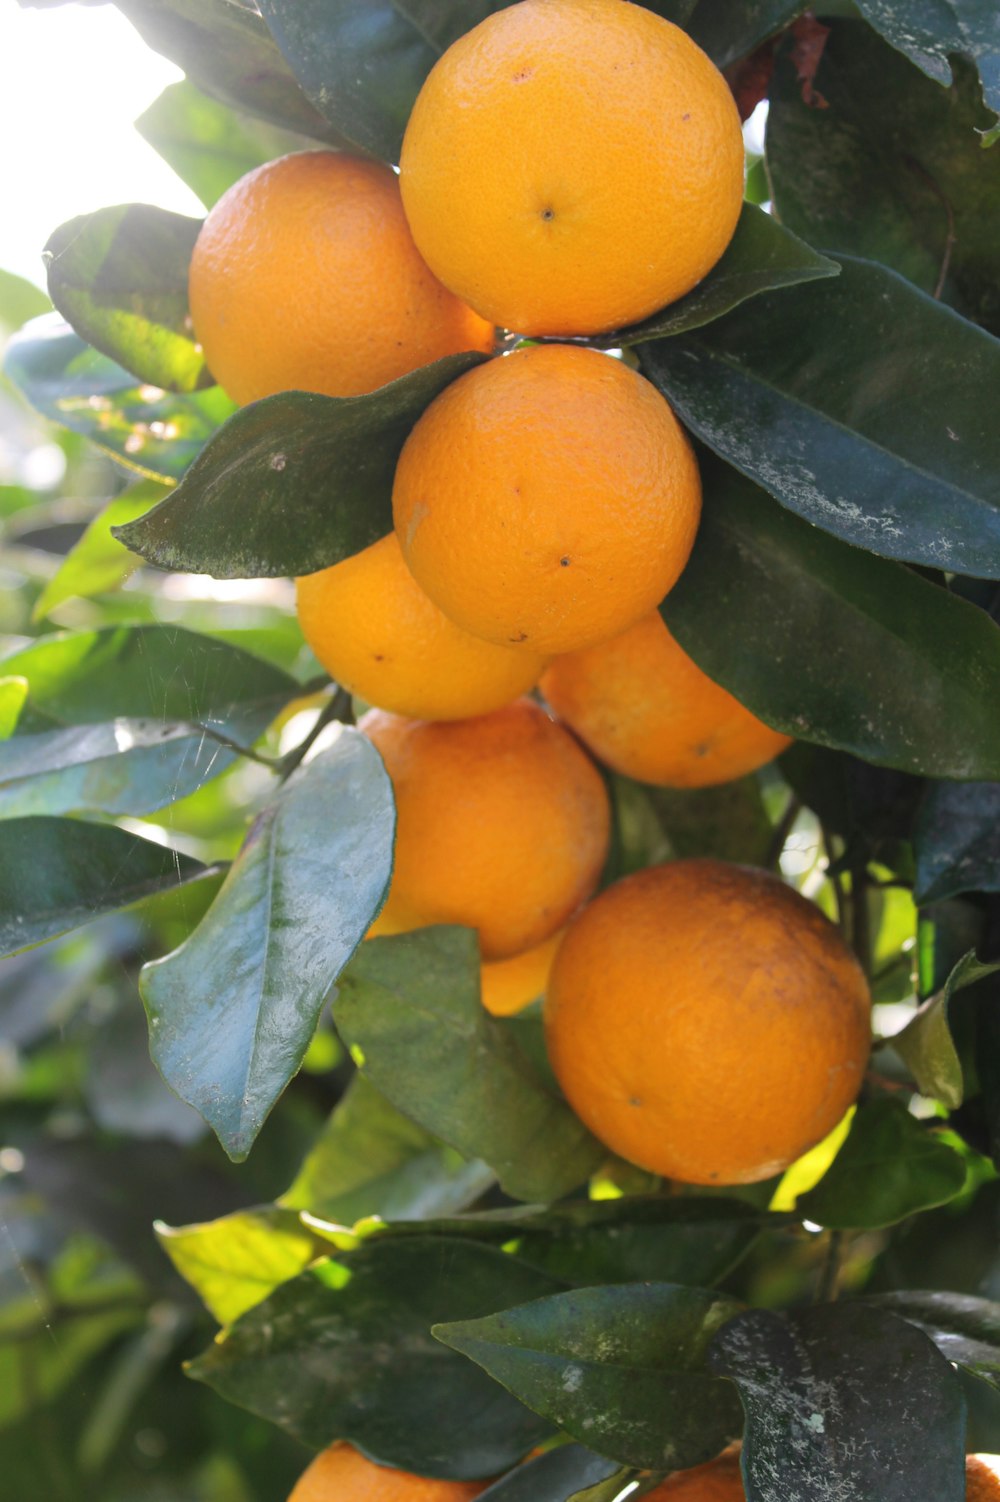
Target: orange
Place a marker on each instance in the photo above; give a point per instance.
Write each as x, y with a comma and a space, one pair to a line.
547, 499
981, 1481
646, 710
305, 277
343, 1474
508, 986
502, 824
718, 1481
706, 1022
572, 165
376, 632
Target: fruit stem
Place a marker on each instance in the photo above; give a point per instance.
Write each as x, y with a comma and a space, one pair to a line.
829, 1276
337, 707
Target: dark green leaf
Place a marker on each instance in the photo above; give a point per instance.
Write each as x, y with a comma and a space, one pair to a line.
444, 21
621, 1369
120, 278
236, 1261
293, 483
957, 841
145, 428
408, 1007
892, 169
929, 31
99, 562
889, 1167
227, 50
370, 1160
345, 1352
360, 62
728, 821
834, 645
729, 29
553, 1477
861, 404
965, 1329
813, 1431
926, 1044
57, 874
232, 1011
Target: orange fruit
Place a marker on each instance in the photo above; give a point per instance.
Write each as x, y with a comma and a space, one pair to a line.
572, 165
981, 1481
718, 1481
305, 277
548, 499
646, 710
376, 632
508, 986
706, 1022
343, 1474
502, 824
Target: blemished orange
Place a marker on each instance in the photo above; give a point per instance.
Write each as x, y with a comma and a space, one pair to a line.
305, 277
502, 824
981, 1481
717, 1481
570, 166
548, 499
343, 1474
508, 986
379, 636
646, 710
707, 1022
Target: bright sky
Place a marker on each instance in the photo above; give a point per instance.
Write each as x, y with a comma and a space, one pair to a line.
72, 80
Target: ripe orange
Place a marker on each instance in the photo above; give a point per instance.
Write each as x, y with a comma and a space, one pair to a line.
981, 1482
507, 986
343, 1474
707, 1022
305, 277
502, 824
572, 165
718, 1481
376, 632
547, 499
646, 710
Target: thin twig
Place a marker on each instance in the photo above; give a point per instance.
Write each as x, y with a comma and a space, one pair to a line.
782, 830
222, 739
338, 707
829, 1275
950, 238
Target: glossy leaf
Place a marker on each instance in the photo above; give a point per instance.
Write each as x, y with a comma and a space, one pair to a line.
893, 168
120, 278
408, 1008
57, 874
834, 645
293, 483
235, 1262
929, 31
861, 404
99, 562
957, 841
621, 1369
807, 1381
345, 1352
729, 29
965, 1329
926, 1045
231, 1012
555, 1476
155, 433
889, 1167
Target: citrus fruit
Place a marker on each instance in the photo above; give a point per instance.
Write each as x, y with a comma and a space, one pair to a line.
981, 1481
305, 277
706, 1022
718, 1481
377, 633
547, 499
646, 710
507, 986
343, 1474
502, 824
572, 165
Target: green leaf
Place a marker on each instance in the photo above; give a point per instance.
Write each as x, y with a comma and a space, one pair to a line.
621, 1369
957, 841
120, 278
556, 1476
729, 29
813, 1431
227, 50
835, 645
57, 874
408, 1008
965, 1329
209, 145
929, 31
892, 169
926, 1045
293, 483
232, 1011
861, 404
889, 1167
151, 432
99, 563
13, 696
370, 1160
728, 821
345, 1352
33, 1371
235, 1262
19, 301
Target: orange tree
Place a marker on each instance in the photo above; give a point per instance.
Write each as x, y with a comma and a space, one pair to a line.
406, 1237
